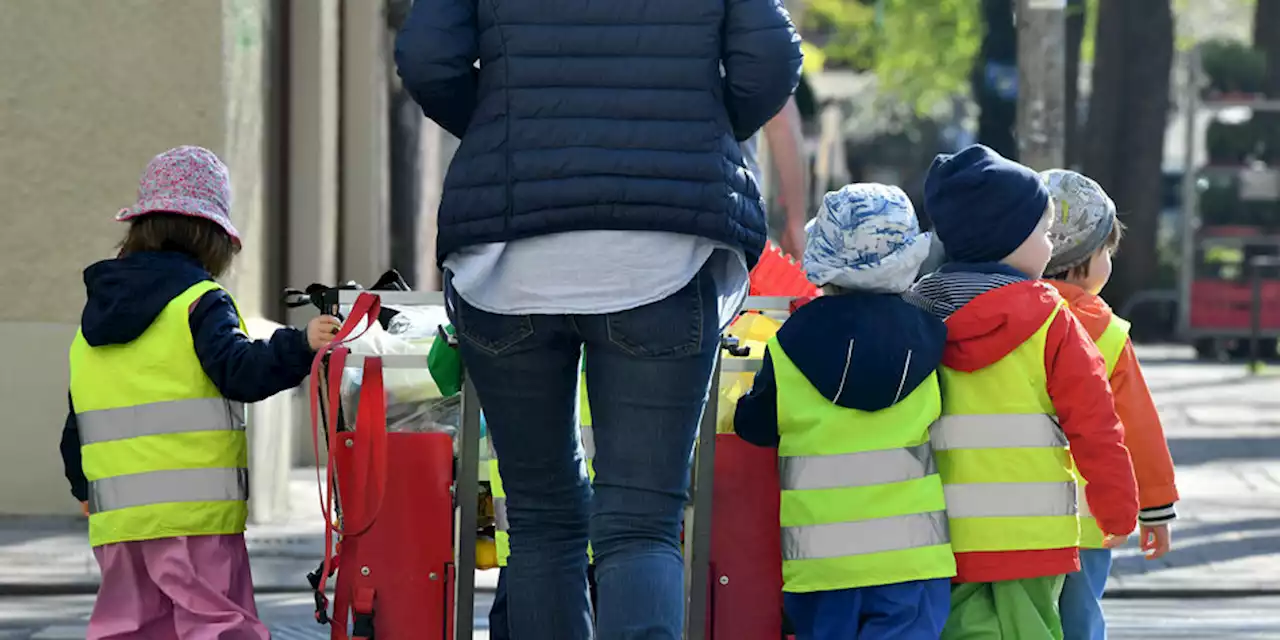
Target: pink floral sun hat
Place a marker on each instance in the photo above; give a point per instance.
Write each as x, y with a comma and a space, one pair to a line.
188, 181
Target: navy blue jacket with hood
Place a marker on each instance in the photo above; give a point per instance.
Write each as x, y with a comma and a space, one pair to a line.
861, 351
124, 297
599, 115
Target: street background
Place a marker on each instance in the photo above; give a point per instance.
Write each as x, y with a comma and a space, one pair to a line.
1173, 106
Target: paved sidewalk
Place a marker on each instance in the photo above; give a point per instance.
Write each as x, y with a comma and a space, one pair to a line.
52, 555
1224, 431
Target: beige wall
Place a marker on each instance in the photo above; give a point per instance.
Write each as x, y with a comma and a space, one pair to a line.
91, 91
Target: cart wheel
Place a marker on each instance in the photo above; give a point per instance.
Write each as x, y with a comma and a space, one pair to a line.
1239, 349
1267, 350
1209, 349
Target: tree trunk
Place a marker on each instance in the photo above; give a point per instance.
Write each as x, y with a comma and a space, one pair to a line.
1124, 141
1071, 120
1266, 36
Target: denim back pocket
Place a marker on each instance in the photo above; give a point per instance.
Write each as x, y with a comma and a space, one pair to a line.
493, 333
672, 326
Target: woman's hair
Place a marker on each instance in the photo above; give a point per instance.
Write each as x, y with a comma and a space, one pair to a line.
1111, 243
201, 239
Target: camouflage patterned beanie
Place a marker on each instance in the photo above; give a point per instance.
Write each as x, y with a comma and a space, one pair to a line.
1084, 216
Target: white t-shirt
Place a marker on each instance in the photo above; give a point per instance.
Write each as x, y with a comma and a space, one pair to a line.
596, 272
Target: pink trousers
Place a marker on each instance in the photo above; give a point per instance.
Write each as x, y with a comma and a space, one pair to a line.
187, 588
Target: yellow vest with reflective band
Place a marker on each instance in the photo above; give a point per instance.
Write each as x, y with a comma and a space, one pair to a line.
862, 502
1111, 344
501, 537
1003, 458
164, 453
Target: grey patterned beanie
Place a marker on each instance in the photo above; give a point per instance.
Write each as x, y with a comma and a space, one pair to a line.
1083, 217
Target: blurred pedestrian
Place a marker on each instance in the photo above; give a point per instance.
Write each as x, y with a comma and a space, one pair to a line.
1085, 234
598, 201
154, 443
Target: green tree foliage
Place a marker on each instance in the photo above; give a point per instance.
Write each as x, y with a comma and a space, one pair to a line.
920, 50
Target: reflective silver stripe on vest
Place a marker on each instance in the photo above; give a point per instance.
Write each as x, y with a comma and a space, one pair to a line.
1011, 499
860, 469
997, 431
159, 487
841, 539
500, 514
160, 418
589, 442
1085, 511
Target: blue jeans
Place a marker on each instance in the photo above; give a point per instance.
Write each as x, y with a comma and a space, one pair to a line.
499, 627
648, 372
905, 611
1081, 601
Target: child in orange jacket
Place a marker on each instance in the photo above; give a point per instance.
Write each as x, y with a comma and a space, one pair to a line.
1085, 233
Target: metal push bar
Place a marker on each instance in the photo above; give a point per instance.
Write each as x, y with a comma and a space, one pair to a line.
466, 482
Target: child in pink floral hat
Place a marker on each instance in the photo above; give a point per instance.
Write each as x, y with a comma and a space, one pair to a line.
154, 443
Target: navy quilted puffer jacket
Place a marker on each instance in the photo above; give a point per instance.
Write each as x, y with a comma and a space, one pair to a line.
599, 114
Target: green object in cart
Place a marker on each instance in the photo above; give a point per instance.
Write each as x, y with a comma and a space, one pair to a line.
445, 365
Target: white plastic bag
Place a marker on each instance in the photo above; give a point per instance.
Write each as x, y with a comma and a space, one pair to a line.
414, 403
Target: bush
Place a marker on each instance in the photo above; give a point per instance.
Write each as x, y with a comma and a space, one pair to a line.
1233, 67
1220, 201
1230, 143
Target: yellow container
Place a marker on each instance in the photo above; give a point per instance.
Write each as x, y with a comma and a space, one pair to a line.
752, 330
486, 553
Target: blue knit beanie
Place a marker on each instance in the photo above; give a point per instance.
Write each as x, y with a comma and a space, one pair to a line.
983, 206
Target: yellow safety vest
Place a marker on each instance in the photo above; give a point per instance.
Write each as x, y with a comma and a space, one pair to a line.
1111, 343
862, 502
164, 453
1003, 458
501, 535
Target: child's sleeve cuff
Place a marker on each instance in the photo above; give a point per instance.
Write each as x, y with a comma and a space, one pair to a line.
1157, 515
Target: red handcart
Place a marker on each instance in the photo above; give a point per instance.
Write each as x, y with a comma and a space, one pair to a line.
401, 508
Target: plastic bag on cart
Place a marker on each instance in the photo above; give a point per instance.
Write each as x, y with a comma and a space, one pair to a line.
414, 401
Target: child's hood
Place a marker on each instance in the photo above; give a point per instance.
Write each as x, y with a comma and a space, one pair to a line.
996, 322
1091, 310
863, 351
126, 294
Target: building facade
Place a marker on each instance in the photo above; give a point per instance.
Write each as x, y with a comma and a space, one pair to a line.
295, 105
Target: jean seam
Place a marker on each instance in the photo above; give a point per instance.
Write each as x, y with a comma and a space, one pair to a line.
496, 347
683, 350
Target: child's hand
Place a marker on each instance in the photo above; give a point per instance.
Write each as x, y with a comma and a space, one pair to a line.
1155, 540
84, 508
320, 331
1111, 542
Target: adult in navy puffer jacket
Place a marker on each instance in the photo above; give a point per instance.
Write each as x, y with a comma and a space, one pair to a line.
600, 115
599, 204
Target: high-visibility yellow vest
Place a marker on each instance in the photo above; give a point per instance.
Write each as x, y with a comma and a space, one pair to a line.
164, 453
1003, 458
862, 502
1111, 343
501, 535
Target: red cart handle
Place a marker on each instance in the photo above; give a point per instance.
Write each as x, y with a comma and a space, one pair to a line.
370, 458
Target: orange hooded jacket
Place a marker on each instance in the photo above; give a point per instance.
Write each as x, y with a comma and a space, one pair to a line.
1143, 434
